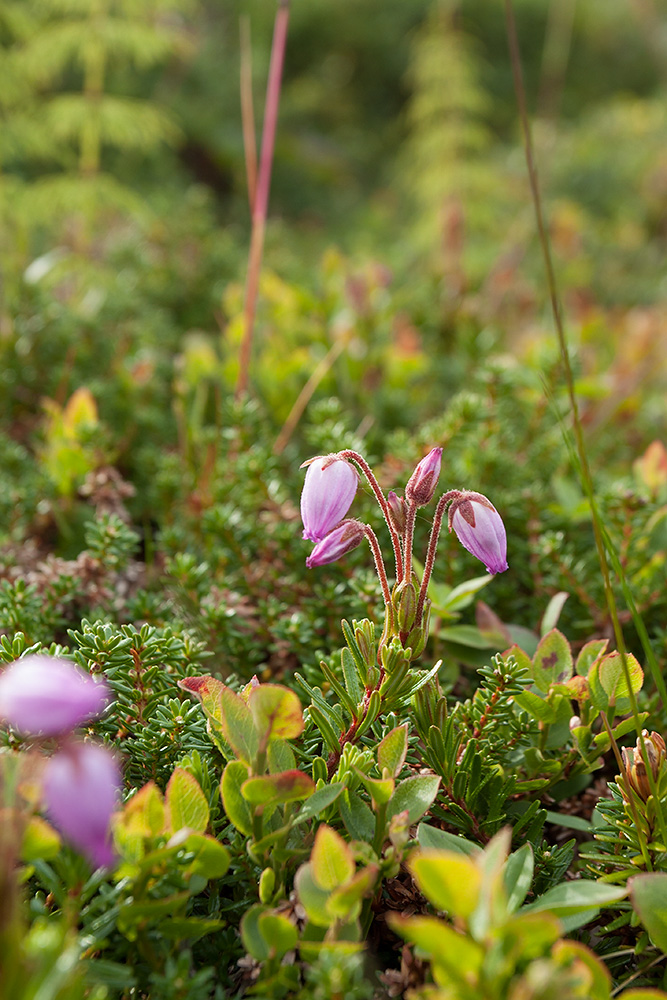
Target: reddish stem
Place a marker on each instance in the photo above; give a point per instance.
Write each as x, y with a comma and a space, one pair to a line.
261, 199
379, 562
384, 506
430, 552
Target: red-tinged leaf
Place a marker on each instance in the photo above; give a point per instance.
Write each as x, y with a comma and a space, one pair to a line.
226, 712
552, 663
613, 679
288, 786
589, 653
186, 805
331, 859
238, 726
392, 751
207, 690
276, 711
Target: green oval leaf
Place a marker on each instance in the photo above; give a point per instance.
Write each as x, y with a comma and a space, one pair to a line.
185, 803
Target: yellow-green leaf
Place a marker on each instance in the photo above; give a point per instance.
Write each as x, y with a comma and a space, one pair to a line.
276, 712
186, 804
331, 859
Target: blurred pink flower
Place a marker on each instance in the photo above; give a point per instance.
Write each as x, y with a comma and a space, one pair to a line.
44, 695
81, 786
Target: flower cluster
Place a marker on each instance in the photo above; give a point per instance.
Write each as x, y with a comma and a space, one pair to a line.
329, 489
44, 696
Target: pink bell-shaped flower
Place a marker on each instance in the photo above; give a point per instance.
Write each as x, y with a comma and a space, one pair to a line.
480, 530
81, 786
328, 492
342, 539
42, 695
423, 481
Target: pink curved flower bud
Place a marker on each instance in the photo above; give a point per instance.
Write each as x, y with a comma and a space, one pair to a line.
328, 492
81, 787
480, 530
423, 481
44, 695
342, 539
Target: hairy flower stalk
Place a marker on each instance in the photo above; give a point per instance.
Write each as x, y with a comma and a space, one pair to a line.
327, 495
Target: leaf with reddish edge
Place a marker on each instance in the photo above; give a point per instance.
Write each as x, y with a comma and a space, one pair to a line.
392, 751
589, 653
287, 786
227, 713
552, 663
185, 803
331, 859
276, 712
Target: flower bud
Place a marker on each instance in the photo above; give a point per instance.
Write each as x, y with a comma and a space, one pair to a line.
634, 767
342, 539
405, 605
328, 492
480, 530
81, 785
44, 695
397, 510
423, 481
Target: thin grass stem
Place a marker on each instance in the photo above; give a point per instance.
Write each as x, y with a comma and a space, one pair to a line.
261, 200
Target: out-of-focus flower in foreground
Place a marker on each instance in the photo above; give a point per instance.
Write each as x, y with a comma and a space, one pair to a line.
423, 481
480, 530
43, 695
328, 492
81, 787
342, 539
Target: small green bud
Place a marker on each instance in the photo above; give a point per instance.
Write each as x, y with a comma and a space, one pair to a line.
319, 769
267, 884
405, 603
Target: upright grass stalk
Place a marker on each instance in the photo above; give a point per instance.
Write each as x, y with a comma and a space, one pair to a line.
261, 198
248, 111
601, 538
